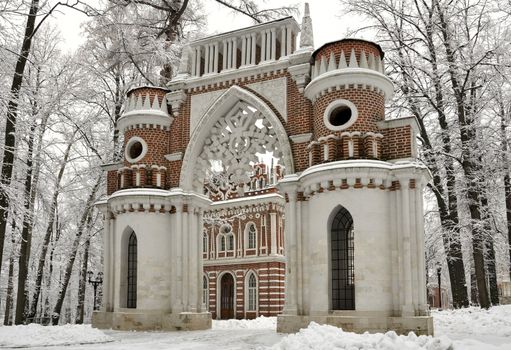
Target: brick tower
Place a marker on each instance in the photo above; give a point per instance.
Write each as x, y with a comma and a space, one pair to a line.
354, 225
147, 282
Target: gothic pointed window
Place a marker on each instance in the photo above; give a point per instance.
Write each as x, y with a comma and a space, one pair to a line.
251, 236
342, 261
132, 272
252, 292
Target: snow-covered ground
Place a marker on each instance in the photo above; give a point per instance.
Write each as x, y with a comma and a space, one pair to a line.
468, 329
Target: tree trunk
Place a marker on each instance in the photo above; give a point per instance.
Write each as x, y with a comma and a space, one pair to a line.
80, 309
69, 266
10, 125
469, 165
474, 294
10, 278
49, 231
489, 249
507, 178
26, 238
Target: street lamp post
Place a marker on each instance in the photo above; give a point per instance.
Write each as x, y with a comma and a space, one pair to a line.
95, 283
439, 274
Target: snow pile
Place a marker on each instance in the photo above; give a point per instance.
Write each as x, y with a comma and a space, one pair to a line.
475, 321
261, 322
36, 335
324, 337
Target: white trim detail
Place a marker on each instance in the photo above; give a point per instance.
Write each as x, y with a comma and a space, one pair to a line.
345, 77
174, 156
130, 143
301, 138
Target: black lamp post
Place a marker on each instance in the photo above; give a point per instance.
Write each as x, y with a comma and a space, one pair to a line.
95, 283
438, 274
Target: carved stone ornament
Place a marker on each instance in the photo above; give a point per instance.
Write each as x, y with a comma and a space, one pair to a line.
232, 147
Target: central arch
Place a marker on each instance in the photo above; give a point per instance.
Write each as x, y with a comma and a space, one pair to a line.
234, 100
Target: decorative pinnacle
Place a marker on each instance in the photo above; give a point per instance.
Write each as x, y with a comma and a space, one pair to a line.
307, 36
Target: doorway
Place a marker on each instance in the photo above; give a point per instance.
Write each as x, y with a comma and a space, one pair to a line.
227, 297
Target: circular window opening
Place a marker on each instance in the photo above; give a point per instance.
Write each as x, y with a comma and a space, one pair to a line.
136, 149
340, 116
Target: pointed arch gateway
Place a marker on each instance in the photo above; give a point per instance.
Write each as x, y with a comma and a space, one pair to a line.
236, 127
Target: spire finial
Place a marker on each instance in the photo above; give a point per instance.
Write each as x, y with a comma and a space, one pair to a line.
306, 37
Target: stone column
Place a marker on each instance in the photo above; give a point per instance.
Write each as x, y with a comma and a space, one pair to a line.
273, 44
178, 260
254, 48
268, 44
107, 262
194, 62
282, 42
243, 50
395, 263
288, 40
273, 233
229, 54
198, 61
290, 307
185, 241
224, 58
193, 257
201, 307
206, 58
414, 253
419, 219
215, 62
406, 282
234, 53
263, 46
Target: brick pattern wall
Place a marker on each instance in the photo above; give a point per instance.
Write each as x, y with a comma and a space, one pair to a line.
270, 274
370, 106
397, 143
239, 222
270, 288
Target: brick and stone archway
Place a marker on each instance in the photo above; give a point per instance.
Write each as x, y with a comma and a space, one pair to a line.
320, 115
236, 111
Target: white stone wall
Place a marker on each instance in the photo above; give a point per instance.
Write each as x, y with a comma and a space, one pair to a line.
369, 209
154, 240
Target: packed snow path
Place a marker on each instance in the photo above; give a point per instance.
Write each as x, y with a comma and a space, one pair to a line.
468, 329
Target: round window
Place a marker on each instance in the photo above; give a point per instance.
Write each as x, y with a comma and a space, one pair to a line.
340, 114
136, 148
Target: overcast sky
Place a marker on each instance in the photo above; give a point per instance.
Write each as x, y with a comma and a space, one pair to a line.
328, 20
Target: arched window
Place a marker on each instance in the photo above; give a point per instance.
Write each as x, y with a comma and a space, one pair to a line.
251, 236
205, 292
252, 293
342, 264
230, 241
132, 272
222, 243
204, 242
